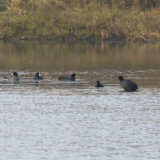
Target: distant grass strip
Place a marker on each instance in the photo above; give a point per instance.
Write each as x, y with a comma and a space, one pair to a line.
51, 20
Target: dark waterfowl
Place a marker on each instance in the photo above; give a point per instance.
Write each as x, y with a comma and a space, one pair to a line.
72, 78
37, 77
4, 78
99, 84
127, 85
15, 76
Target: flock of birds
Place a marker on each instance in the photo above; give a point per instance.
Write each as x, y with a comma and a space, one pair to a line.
127, 85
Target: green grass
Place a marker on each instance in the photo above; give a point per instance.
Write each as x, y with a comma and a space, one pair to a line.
56, 19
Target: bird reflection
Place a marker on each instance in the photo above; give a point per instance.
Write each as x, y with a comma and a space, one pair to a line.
36, 82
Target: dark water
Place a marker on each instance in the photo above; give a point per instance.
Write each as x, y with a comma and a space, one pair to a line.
75, 120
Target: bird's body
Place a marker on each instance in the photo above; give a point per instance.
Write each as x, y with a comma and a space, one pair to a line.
128, 85
37, 77
15, 76
72, 78
4, 78
99, 84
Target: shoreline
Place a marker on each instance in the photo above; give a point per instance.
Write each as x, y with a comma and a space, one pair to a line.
72, 40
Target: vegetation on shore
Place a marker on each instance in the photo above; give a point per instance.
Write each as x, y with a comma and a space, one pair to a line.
80, 19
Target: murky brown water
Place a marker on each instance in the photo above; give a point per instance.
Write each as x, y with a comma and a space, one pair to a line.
74, 120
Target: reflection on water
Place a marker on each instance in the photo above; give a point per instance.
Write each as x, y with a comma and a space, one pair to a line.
34, 55
74, 120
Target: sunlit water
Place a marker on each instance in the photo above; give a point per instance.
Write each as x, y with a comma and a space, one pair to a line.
56, 120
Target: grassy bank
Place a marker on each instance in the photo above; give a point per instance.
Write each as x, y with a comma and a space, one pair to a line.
80, 19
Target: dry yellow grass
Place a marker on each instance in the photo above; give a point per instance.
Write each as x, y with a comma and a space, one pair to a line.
80, 19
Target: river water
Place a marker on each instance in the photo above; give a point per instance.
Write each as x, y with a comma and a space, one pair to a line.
54, 120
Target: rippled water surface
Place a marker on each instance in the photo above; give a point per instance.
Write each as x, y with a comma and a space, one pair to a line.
54, 120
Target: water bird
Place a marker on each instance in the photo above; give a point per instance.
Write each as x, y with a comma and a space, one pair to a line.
72, 78
127, 85
5, 78
15, 76
99, 84
38, 77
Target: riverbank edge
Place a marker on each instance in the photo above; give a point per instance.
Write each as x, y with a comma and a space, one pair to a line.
75, 39
93, 22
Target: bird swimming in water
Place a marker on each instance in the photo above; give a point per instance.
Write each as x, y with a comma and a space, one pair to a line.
99, 84
15, 76
5, 78
128, 85
72, 78
38, 77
